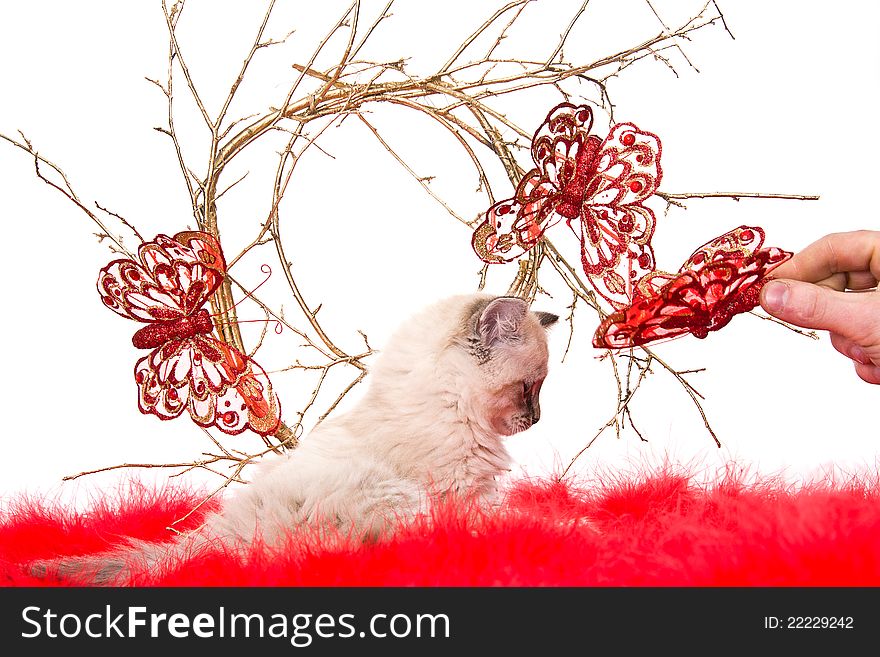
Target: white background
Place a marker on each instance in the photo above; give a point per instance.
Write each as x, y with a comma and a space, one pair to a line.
788, 106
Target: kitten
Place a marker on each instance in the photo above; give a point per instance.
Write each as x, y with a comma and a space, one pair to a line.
452, 382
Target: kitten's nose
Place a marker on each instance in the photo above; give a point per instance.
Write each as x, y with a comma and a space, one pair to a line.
536, 413
532, 406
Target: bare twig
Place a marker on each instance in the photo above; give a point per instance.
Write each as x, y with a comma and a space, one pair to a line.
476, 33
563, 38
258, 43
419, 179
813, 335
65, 188
736, 196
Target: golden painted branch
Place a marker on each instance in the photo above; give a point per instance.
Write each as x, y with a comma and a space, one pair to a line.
423, 181
736, 196
476, 33
67, 190
623, 406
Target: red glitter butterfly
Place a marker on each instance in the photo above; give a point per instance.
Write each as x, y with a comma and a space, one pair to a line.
721, 279
187, 368
597, 187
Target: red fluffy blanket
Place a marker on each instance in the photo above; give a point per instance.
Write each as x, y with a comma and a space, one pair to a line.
658, 529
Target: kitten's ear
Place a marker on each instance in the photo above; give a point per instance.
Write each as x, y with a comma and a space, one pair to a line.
501, 320
546, 319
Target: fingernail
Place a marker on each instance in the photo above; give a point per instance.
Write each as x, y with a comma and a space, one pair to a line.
775, 295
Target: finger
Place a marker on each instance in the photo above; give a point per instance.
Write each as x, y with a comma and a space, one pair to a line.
855, 316
850, 349
838, 253
869, 373
860, 280
854, 280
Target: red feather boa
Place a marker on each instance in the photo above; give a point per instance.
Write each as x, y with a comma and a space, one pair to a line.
659, 529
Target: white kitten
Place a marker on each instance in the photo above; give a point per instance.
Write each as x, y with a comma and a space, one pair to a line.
449, 385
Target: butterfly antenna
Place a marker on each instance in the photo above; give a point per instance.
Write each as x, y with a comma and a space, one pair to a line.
266, 269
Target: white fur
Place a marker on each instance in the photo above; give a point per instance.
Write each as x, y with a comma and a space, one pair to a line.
438, 404
423, 427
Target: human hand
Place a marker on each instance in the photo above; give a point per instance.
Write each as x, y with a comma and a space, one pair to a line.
832, 285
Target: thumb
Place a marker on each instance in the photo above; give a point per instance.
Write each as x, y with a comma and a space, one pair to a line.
853, 316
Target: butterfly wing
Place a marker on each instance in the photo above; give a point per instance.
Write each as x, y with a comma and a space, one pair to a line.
561, 143
617, 228
721, 279
732, 269
628, 169
496, 239
217, 385
648, 319
515, 225
743, 241
174, 278
610, 257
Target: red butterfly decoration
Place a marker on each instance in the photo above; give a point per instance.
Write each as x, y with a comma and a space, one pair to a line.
721, 279
597, 187
187, 368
